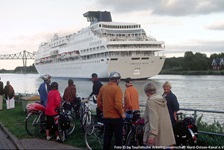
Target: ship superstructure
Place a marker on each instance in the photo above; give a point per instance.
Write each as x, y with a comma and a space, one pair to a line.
102, 47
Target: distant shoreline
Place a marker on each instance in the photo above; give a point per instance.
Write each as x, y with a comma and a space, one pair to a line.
206, 72
209, 72
167, 71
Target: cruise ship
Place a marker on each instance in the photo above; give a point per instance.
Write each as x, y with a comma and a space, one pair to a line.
101, 48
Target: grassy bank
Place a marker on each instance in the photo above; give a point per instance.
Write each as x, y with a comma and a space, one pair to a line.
14, 121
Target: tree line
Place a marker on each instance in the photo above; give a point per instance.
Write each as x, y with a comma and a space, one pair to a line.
21, 69
194, 63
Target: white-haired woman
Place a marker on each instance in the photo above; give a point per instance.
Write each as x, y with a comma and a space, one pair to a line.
172, 103
158, 129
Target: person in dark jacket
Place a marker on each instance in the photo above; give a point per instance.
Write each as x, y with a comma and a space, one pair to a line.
95, 91
9, 95
172, 103
1, 93
70, 92
96, 85
70, 96
44, 89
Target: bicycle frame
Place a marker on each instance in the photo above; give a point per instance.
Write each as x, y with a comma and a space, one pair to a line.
193, 135
184, 130
37, 123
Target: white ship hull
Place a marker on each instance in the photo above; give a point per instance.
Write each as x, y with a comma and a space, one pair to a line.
136, 69
101, 48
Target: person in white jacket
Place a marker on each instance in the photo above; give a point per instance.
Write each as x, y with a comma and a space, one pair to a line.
158, 129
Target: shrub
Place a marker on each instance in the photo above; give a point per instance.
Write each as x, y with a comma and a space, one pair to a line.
210, 140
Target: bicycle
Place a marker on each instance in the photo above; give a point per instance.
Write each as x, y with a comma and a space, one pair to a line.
95, 132
65, 123
87, 112
133, 129
185, 131
73, 109
94, 136
36, 121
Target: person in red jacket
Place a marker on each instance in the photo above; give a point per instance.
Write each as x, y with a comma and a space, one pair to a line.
53, 102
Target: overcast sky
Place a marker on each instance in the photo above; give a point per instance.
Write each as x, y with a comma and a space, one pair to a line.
184, 25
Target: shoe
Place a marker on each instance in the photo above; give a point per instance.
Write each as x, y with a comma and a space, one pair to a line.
57, 138
49, 137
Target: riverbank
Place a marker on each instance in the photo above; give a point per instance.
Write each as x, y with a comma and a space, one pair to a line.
202, 72
14, 121
162, 72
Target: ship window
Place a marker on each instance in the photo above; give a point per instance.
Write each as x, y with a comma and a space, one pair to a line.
99, 25
102, 59
114, 59
144, 58
135, 58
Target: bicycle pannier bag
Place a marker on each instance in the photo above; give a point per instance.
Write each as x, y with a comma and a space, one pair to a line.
64, 121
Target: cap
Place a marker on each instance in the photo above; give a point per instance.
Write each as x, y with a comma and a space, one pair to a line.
94, 75
46, 77
127, 80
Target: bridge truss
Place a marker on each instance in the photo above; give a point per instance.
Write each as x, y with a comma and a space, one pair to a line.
24, 55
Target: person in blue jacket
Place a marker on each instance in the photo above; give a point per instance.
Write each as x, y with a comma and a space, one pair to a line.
172, 103
44, 89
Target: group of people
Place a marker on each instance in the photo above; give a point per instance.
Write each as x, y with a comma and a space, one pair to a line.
159, 114
51, 99
9, 93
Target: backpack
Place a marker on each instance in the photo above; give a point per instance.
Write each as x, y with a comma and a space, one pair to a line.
64, 121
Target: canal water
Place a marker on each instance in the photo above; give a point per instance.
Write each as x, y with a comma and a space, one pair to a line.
195, 92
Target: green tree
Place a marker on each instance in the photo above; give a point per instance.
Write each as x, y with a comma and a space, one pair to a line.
188, 62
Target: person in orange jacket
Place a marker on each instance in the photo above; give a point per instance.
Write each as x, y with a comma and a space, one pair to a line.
131, 98
109, 100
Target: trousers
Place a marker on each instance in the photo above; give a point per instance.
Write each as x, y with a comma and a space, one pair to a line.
112, 126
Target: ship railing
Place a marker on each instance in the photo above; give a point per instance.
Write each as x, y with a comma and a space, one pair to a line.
195, 115
129, 38
137, 47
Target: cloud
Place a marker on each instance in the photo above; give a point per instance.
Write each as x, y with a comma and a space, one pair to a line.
30, 42
165, 7
201, 46
216, 26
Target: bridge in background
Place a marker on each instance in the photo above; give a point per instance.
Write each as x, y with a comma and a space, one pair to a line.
24, 55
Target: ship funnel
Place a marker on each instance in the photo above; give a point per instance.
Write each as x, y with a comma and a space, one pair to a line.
97, 16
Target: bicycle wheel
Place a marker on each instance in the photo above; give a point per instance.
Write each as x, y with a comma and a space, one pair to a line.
61, 133
72, 124
94, 136
126, 130
86, 120
131, 139
33, 123
81, 112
